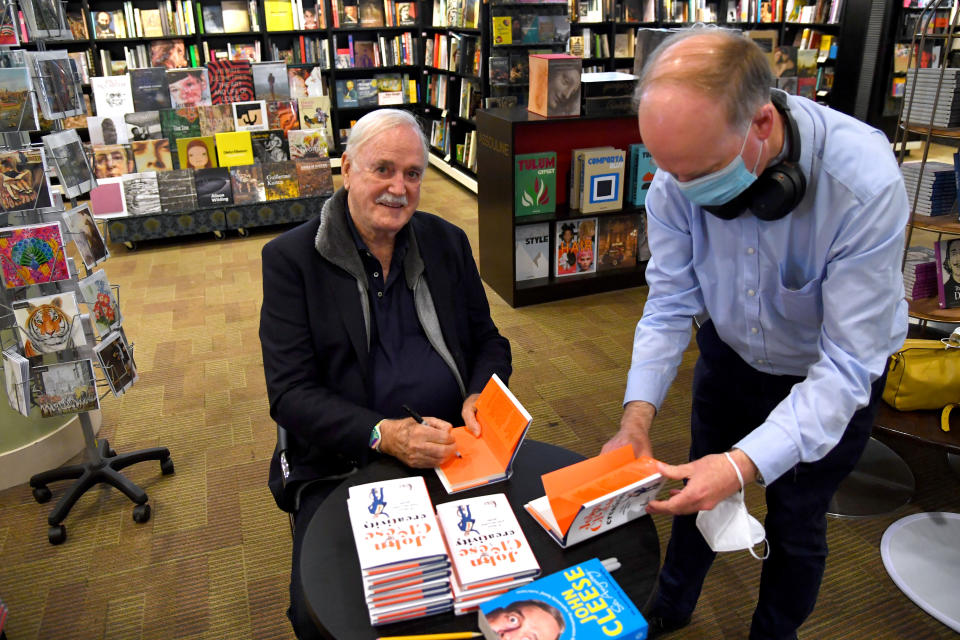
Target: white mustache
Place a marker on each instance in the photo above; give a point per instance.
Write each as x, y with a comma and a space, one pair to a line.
392, 201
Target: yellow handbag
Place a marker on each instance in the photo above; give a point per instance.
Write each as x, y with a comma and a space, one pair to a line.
925, 374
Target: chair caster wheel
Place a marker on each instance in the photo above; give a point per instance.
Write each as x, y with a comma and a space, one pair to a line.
166, 467
141, 513
41, 494
111, 453
57, 534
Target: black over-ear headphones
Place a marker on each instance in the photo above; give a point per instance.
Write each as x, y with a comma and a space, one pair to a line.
780, 188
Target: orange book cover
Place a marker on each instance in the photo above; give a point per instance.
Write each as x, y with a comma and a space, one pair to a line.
487, 459
595, 495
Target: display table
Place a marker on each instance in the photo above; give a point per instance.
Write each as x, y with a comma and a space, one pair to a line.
330, 569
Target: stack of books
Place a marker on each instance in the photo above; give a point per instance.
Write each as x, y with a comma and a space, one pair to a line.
919, 98
920, 273
488, 551
406, 573
937, 187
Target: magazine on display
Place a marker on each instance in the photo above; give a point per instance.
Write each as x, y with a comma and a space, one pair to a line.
16, 377
151, 92
18, 104
65, 151
112, 96
64, 388
280, 180
307, 143
315, 177
576, 250
213, 187
230, 81
116, 361
48, 324
97, 294
269, 146
270, 81
250, 116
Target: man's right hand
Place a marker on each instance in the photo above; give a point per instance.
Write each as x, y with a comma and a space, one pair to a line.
634, 429
422, 446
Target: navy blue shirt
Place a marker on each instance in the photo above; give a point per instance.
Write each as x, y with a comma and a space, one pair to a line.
405, 367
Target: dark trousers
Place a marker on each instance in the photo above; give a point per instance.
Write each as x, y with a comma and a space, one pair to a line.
310, 499
730, 399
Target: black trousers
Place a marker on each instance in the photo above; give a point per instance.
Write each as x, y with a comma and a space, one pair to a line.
730, 399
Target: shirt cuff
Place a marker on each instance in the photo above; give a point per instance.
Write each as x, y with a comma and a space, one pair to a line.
640, 386
769, 449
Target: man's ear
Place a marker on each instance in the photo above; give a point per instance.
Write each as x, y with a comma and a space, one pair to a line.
345, 167
764, 120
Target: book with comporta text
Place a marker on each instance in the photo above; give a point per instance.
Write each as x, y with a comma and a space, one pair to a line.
488, 458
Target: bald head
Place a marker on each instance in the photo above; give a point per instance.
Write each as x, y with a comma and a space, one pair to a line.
729, 69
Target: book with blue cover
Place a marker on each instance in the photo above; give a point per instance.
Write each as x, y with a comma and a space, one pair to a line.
582, 602
642, 168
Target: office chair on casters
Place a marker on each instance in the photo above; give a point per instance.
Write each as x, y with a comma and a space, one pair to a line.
103, 464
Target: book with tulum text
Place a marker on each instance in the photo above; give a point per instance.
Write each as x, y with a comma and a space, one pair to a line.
488, 458
535, 183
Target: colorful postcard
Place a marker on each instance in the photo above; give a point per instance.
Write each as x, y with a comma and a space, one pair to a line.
85, 233
48, 324
65, 387
97, 294
116, 360
32, 255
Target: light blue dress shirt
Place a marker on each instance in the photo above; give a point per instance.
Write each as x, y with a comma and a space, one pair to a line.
817, 294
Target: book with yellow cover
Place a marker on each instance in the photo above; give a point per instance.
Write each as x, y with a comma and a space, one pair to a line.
489, 458
587, 498
279, 14
234, 148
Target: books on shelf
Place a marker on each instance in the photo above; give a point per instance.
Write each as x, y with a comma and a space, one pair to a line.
535, 183
936, 187
947, 253
601, 179
532, 253
576, 247
920, 273
488, 458
560, 602
554, 84
595, 495
617, 241
214, 188
403, 563
489, 554
641, 171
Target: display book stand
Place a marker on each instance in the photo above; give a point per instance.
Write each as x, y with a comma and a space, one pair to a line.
102, 463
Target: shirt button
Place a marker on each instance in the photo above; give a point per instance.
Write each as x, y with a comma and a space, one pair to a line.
379, 294
751, 251
754, 330
376, 274
751, 292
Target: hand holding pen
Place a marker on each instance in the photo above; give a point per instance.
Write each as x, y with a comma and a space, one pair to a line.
416, 416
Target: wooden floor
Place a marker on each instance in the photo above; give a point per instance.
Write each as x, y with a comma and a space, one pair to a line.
213, 562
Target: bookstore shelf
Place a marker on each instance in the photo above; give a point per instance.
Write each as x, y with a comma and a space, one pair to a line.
951, 227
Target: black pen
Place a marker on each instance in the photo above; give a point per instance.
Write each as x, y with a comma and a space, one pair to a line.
419, 418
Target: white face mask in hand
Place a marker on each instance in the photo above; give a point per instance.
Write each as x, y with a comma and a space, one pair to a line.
729, 527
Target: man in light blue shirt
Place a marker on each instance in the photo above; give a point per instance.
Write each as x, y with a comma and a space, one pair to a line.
795, 277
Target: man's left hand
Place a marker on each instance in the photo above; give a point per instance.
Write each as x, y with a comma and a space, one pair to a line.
710, 479
469, 414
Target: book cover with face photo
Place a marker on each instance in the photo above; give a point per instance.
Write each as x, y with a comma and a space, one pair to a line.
280, 180
230, 81
48, 324
216, 119
64, 388
188, 88
315, 114
107, 130
314, 177
150, 89
141, 193
57, 83
307, 143
96, 293
576, 247
116, 361
112, 160
65, 150
112, 95
169, 54
269, 146
85, 233
33, 254
197, 152
283, 114
152, 155
250, 116
18, 107
213, 187
177, 191
23, 180
16, 378
247, 182
143, 125
270, 81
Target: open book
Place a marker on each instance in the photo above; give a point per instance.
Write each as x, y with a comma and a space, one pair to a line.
595, 495
489, 458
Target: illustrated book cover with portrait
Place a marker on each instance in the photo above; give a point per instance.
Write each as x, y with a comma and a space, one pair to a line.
270, 81
504, 422
197, 152
141, 193
576, 249
307, 143
617, 242
557, 605
177, 191
234, 148
280, 180
601, 180
16, 378
107, 130
64, 388
250, 116
315, 114
532, 251
230, 81
112, 95
947, 255
306, 82
595, 495
169, 54
143, 125
18, 105
189, 87
65, 150
213, 187
96, 293
151, 91
247, 182
116, 361
269, 146
112, 160
48, 324
86, 235
216, 119
535, 183
314, 177
283, 114
23, 180
152, 155
57, 83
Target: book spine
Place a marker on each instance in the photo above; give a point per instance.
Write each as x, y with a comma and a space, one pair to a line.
941, 293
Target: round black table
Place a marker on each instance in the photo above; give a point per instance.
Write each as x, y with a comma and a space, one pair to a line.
330, 569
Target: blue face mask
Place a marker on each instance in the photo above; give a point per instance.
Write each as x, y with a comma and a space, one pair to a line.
723, 185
